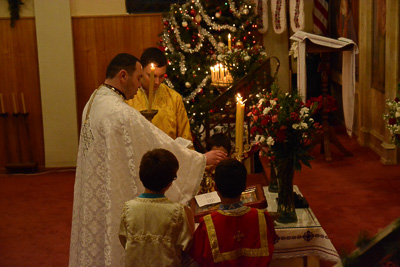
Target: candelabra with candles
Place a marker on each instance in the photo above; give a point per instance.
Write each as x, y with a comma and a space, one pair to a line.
220, 77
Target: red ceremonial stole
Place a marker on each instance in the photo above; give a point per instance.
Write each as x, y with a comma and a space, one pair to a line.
238, 238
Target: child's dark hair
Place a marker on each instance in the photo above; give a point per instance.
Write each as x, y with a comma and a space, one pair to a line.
158, 168
219, 139
230, 178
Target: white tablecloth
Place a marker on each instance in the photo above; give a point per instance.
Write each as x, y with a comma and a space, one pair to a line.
304, 238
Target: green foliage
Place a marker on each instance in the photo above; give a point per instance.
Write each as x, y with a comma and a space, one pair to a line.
393, 118
14, 8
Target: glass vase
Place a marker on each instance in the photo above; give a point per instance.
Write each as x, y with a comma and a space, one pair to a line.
286, 208
273, 183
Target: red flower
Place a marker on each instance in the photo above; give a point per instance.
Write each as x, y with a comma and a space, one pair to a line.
281, 134
294, 116
266, 120
253, 130
392, 121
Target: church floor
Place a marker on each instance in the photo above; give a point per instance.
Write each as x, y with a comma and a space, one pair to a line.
347, 195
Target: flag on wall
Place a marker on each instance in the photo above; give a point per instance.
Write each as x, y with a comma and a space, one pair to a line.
320, 17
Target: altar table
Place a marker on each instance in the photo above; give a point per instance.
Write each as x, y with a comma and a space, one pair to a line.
301, 243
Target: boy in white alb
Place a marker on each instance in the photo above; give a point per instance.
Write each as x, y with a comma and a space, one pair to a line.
155, 231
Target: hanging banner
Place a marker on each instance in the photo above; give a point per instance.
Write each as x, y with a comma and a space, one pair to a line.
278, 11
296, 15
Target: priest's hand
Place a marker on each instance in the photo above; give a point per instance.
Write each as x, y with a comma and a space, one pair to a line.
213, 157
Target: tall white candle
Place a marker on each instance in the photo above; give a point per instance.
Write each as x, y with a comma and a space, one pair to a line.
239, 124
151, 94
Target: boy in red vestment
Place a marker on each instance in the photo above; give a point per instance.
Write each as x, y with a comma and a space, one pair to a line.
234, 235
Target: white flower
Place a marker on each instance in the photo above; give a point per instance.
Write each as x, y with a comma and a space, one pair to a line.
303, 125
220, 57
246, 58
304, 110
266, 110
294, 50
260, 138
295, 126
272, 102
398, 114
270, 141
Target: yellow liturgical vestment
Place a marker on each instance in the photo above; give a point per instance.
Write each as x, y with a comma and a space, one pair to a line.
171, 117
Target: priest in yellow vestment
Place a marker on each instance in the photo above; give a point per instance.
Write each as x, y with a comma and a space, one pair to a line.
172, 116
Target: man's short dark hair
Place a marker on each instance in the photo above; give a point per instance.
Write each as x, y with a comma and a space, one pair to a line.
230, 178
153, 55
120, 62
158, 168
219, 139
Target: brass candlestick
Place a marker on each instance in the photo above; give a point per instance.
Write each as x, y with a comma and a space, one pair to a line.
149, 114
247, 147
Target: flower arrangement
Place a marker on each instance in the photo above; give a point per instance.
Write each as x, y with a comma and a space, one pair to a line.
331, 104
240, 61
282, 124
393, 118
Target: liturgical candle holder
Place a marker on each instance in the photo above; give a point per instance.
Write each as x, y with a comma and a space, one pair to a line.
149, 114
241, 156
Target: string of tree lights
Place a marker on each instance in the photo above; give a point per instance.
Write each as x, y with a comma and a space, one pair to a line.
195, 38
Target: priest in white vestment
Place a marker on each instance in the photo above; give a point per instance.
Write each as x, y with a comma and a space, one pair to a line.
113, 139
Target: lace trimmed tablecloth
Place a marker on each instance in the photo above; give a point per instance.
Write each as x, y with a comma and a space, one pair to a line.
304, 238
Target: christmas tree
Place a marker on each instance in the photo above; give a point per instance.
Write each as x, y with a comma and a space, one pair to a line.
195, 37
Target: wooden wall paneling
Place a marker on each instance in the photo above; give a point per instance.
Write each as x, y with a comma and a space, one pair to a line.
98, 39
20, 74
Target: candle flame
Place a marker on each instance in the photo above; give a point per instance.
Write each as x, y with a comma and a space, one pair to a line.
239, 98
152, 66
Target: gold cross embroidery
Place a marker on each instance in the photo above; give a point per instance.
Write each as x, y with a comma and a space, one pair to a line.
238, 236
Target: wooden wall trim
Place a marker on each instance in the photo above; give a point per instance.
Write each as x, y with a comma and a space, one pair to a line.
20, 74
156, 15
98, 39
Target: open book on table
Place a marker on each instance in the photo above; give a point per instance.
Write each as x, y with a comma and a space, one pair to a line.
207, 203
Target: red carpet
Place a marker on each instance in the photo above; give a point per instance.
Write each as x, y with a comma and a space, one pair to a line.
350, 194
347, 195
